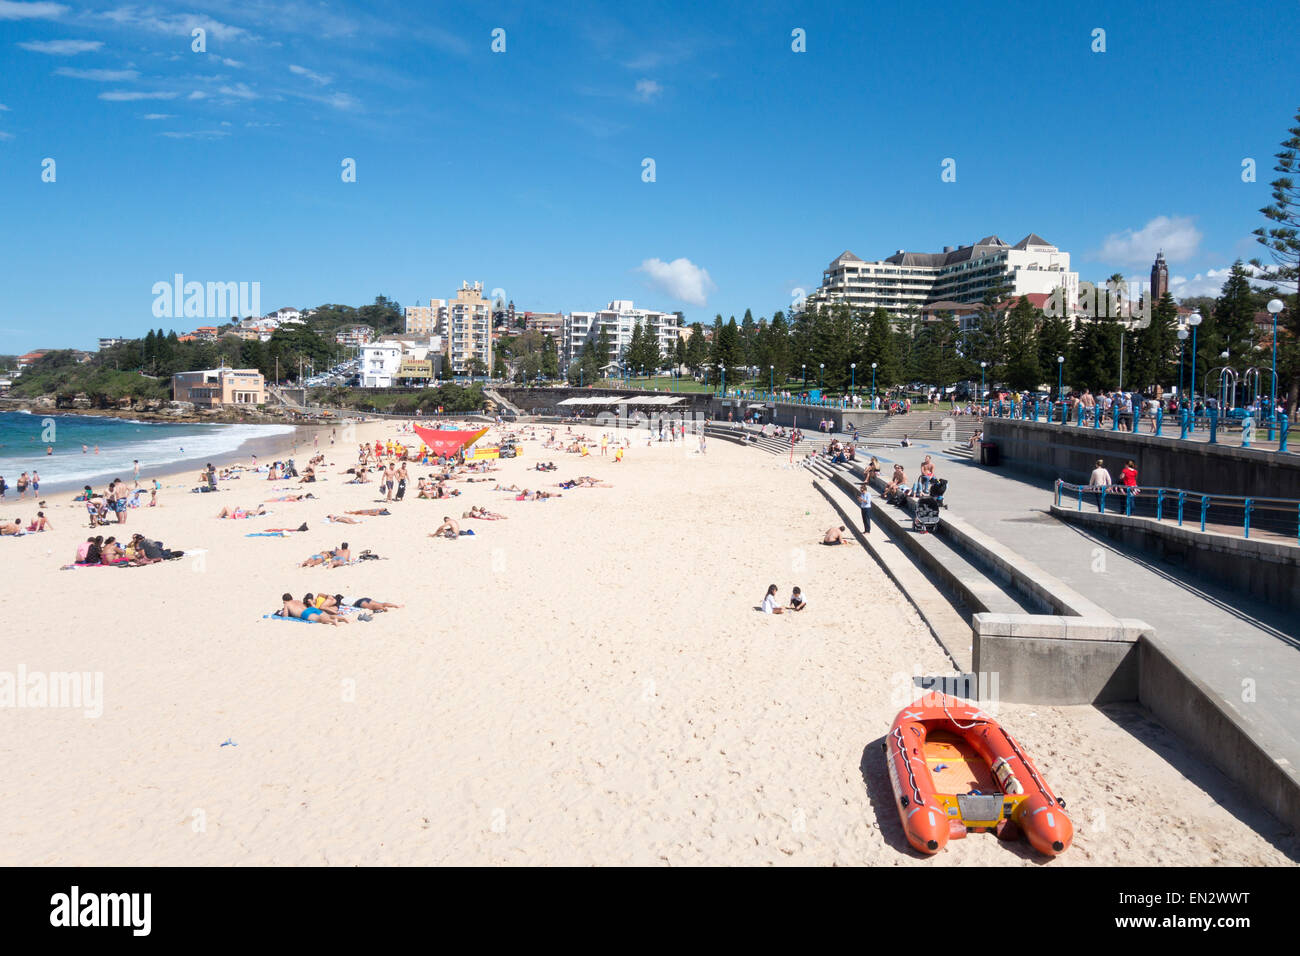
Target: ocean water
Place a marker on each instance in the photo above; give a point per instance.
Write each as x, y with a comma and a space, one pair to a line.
25, 438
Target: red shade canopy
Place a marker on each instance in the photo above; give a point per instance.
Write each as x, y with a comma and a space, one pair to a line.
447, 442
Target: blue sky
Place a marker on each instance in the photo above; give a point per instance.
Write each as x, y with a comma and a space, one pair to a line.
523, 169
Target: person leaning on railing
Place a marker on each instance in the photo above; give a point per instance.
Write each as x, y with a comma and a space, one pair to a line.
1100, 480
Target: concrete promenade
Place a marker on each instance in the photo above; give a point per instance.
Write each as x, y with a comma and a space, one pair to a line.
1247, 653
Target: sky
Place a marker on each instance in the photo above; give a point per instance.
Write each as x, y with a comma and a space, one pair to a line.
686, 157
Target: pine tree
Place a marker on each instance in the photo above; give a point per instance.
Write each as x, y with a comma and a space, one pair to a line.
1023, 370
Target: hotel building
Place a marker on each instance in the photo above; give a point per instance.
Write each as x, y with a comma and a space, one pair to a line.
906, 282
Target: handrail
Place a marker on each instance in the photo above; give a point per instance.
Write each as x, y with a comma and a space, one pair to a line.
1162, 490
1261, 514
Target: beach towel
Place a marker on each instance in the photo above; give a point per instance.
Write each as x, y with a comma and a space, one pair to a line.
267, 534
281, 617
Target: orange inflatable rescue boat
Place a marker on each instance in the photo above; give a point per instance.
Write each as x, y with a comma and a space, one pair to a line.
956, 771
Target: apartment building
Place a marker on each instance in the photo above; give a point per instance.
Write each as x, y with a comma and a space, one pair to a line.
354, 336
426, 319
469, 328
906, 282
548, 323
619, 319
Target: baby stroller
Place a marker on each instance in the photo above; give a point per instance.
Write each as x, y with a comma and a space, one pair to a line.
926, 516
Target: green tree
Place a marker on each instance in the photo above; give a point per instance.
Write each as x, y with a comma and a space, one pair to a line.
1282, 241
1023, 370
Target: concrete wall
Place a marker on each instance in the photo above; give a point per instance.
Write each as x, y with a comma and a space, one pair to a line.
1068, 452
1041, 658
546, 401
1263, 569
1196, 714
806, 417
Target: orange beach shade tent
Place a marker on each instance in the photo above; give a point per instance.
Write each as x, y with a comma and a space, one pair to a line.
447, 442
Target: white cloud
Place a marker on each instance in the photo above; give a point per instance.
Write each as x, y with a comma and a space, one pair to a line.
6, 135
182, 24
340, 101
240, 91
61, 47
229, 62
126, 96
197, 134
157, 116
99, 76
4, 108
197, 95
1209, 282
681, 279
1177, 236
31, 11
312, 75
647, 90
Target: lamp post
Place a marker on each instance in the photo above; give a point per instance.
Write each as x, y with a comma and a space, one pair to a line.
873, 385
1274, 306
1193, 320
805, 377
771, 381
1182, 343
1060, 384
982, 366
820, 370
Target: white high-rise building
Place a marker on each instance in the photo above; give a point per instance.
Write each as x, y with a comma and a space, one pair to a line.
907, 281
619, 318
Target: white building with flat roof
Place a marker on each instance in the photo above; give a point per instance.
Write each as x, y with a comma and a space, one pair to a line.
619, 319
906, 282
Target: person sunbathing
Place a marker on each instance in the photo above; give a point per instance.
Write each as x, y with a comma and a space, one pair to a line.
448, 529
323, 557
292, 497
342, 519
483, 514
510, 487
238, 512
40, 523
292, 608
365, 603
372, 512
15, 527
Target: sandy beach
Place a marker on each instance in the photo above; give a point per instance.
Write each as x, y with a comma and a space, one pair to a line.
586, 682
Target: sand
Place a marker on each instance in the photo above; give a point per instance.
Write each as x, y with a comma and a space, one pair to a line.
587, 682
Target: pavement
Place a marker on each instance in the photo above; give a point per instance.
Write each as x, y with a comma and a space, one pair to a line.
1225, 639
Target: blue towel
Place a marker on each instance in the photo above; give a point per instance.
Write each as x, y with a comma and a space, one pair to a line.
279, 617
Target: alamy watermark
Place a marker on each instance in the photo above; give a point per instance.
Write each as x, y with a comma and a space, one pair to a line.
212, 300
62, 689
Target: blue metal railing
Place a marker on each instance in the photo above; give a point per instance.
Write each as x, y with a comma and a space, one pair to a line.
1189, 422
1277, 516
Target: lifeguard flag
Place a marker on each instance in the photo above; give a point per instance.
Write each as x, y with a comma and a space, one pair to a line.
447, 442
